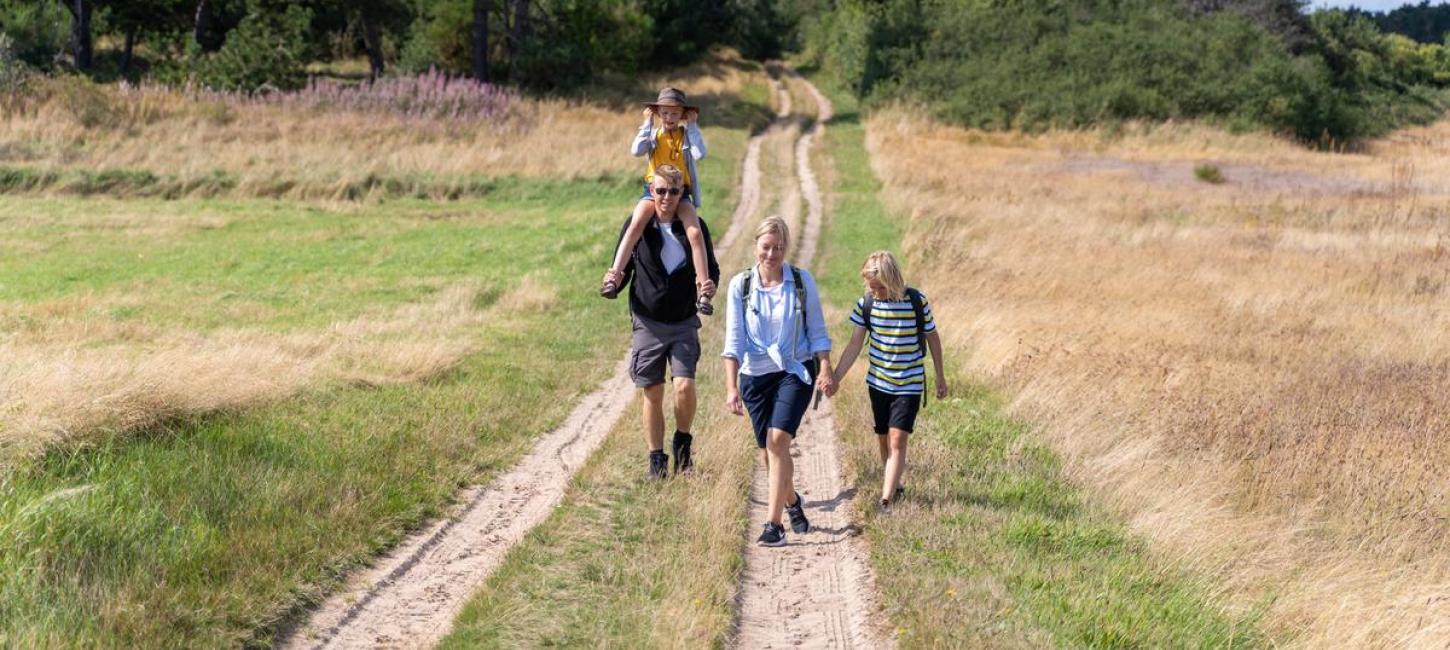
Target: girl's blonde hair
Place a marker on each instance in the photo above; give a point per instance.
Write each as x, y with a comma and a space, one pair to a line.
881, 266
774, 226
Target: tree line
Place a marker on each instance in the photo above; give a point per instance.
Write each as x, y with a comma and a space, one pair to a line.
1328, 77
251, 44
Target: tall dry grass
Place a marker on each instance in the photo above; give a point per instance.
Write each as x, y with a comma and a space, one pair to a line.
326, 141
71, 384
1254, 372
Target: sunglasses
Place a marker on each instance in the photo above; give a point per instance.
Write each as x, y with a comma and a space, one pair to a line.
668, 191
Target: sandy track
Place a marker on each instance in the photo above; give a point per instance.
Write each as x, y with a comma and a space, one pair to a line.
816, 592
411, 596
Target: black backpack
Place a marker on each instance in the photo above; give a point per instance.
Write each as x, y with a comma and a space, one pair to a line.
915, 297
800, 294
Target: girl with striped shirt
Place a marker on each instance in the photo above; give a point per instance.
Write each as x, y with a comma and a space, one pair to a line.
896, 378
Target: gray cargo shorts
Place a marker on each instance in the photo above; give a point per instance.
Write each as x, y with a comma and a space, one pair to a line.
656, 343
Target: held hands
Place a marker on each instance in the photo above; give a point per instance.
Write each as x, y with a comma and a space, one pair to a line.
706, 287
826, 382
616, 276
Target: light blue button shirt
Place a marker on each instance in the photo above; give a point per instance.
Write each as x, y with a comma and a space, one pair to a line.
766, 335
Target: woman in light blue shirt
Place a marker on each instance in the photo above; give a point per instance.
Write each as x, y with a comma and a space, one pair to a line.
777, 354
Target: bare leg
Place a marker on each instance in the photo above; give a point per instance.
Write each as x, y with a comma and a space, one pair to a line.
643, 211
895, 465
684, 405
691, 219
653, 407
782, 469
884, 448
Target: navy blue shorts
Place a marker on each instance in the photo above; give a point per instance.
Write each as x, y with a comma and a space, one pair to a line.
893, 411
777, 401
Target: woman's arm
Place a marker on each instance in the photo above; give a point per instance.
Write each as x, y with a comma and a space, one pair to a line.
734, 323
933, 342
732, 387
853, 350
820, 337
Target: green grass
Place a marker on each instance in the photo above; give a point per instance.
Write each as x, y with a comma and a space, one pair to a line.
216, 531
993, 546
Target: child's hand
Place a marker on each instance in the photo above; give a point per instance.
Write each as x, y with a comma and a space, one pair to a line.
649, 113
690, 116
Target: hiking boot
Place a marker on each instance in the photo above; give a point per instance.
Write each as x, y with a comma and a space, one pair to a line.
797, 513
681, 447
774, 535
659, 465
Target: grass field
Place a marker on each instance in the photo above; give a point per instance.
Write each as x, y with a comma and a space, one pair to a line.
994, 546
1245, 370
214, 407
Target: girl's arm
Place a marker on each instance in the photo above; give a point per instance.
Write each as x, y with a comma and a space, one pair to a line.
853, 350
644, 140
694, 140
933, 342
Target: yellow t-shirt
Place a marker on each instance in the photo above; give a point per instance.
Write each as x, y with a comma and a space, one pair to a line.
669, 150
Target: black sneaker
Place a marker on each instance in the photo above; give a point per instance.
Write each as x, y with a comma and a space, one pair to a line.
659, 465
797, 512
885, 506
774, 535
681, 447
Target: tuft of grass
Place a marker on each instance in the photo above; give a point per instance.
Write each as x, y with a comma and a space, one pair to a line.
1209, 173
993, 545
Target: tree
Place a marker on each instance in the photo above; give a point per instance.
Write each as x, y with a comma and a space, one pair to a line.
480, 40
80, 31
518, 34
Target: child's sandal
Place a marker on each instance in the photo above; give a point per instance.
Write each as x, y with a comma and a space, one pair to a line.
610, 290
705, 308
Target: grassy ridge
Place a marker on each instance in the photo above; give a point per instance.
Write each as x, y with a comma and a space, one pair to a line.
992, 546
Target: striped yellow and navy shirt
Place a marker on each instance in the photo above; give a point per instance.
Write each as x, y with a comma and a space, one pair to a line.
898, 364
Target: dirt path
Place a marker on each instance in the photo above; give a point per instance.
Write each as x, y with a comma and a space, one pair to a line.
411, 596
816, 592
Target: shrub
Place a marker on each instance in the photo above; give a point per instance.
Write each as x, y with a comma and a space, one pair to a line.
1209, 173
38, 31
264, 52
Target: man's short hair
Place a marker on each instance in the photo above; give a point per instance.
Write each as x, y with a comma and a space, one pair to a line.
670, 173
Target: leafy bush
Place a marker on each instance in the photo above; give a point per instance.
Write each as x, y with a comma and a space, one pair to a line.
38, 31
264, 52
12, 71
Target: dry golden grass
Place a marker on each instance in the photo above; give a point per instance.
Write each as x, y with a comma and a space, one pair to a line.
58, 386
282, 152
1254, 372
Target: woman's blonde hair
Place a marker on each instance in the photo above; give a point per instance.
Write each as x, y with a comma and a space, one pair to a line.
774, 226
881, 266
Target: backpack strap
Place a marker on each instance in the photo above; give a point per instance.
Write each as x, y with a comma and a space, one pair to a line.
800, 293
800, 299
915, 297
